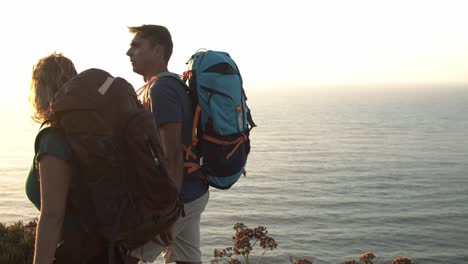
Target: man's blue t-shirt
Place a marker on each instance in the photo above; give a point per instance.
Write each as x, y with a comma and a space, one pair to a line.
170, 103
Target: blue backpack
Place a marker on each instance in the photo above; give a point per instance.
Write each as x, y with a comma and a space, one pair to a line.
222, 120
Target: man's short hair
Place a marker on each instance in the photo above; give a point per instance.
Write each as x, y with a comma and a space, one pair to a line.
156, 35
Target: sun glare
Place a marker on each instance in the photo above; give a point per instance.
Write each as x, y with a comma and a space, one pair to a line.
282, 44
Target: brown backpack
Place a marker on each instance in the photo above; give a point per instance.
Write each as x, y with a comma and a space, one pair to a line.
116, 148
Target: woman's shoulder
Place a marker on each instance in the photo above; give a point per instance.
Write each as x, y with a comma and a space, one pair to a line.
51, 141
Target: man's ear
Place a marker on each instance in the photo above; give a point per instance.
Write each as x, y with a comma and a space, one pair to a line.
158, 51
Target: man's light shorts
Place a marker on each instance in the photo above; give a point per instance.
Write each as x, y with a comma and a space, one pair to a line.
186, 234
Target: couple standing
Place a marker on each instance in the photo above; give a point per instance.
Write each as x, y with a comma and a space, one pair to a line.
50, 177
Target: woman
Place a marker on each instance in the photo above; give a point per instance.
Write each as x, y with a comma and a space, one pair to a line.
53, 178
48, 182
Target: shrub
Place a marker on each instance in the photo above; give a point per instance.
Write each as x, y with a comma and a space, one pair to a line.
17, 242
243, 237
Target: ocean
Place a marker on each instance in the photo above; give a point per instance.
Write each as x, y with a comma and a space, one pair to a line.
333, 173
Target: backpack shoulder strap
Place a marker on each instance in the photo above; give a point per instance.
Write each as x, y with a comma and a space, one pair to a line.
165, 74
170, 75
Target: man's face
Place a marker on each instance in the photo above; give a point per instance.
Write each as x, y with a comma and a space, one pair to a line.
143, 56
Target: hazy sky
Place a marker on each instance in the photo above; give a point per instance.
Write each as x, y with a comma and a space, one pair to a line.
281, 43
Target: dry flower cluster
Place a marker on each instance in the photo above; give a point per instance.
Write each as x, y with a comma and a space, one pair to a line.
368, 258
301, 261
242, 244
402, 260
243, 247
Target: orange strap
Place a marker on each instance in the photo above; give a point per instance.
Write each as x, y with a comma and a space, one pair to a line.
243, 138
186, 75
188, 149
188, 152
143, 93
191, 166
238, 142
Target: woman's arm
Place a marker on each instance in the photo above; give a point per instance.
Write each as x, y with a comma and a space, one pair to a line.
55, 175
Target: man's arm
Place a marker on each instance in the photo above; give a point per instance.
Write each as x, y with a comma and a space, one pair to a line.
171, 141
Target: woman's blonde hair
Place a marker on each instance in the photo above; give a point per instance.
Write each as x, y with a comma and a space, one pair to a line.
48, 75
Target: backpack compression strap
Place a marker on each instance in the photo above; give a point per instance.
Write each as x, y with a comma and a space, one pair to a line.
192, 166
236, 142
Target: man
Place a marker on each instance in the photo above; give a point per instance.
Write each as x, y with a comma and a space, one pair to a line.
150, 51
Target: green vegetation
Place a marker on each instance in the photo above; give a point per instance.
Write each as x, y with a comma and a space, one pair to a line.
17, 246
17, 242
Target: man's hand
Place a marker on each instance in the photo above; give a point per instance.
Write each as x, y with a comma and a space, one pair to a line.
166, 236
